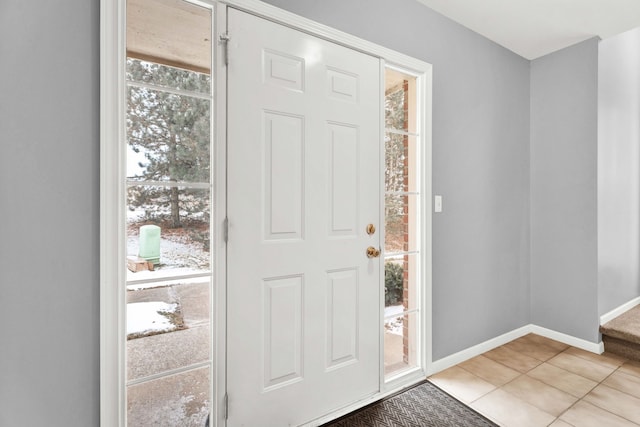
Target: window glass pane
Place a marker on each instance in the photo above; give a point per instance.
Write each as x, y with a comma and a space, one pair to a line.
399, 105
176, 400
400, 342
401, 165
168, 227
394, 108
168, 136
167, 326
401, 281
400, 327
401, 223
174, 33
166, 76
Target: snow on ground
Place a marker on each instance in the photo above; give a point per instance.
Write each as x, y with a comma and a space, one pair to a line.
179, 256
393, 310
393, 319
175, 252
177, 247
147, 317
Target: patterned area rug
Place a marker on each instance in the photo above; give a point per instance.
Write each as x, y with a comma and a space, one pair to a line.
423, 405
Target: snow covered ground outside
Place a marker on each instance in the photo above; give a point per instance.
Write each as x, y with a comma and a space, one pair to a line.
177, 247
393, 319
175, 252
147, 317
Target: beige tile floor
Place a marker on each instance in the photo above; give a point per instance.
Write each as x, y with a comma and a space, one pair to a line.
534, 381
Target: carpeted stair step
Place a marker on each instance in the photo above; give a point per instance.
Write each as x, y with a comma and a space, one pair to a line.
622, 334
627, 349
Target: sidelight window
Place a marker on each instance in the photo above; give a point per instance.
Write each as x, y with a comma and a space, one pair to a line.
402, 246
168, 193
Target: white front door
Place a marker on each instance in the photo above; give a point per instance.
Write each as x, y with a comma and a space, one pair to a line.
304, 313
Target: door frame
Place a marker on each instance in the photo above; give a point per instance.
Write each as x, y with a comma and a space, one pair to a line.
112, 226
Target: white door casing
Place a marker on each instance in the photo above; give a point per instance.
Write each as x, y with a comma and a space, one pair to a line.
303, 298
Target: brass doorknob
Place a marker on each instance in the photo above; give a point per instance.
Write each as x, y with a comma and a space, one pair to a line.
372, 252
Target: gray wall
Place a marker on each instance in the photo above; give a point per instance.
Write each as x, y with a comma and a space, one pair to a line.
564, 288
480, 158
618, 170
49, 215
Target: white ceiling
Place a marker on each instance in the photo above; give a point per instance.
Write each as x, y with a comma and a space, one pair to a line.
533, 28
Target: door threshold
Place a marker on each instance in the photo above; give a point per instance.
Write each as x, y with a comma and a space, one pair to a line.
409, 381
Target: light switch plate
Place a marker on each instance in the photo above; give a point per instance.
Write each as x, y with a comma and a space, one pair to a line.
437, 204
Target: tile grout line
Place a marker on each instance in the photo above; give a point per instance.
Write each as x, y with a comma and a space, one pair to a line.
519, 376
605, 409
543, 362
558, 418
495, 387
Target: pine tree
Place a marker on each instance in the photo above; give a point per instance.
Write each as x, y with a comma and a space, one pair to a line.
173, 133
395, 165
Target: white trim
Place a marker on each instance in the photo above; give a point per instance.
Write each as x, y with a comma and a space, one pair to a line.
219, 291
400, 132
381, 226
619, 310
169, 372
402, 193
170, 184
205, 274
425, 110
593, 347
316, 29
179, 92
476, 350
112, 342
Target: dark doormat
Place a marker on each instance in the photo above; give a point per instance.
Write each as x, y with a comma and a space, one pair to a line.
423, 405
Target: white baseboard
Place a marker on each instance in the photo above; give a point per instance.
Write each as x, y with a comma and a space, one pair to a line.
593, 347
619, 310
476, 350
